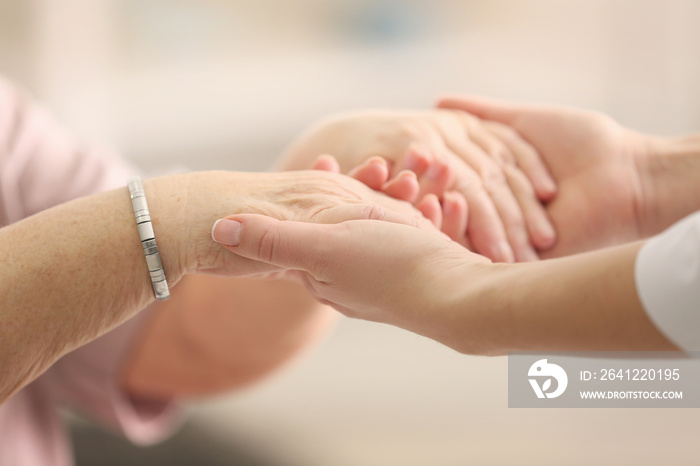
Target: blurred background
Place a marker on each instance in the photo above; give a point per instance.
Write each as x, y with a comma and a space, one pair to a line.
228, 83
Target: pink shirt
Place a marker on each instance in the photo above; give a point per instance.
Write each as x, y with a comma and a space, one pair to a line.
40, 167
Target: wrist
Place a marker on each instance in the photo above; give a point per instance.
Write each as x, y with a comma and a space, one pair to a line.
184, 209
668, 172
468, 304
165, 217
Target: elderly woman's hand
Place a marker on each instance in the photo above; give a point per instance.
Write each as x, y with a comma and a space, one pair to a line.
456, 157
185, 208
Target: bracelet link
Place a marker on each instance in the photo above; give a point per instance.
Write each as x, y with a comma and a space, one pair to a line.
148, 238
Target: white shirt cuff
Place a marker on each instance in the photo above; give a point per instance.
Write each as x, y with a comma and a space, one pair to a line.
667, 274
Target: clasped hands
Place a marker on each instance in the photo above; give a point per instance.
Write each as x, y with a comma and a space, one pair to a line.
511, 182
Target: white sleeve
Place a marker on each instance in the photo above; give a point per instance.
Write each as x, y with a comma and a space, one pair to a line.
667, 274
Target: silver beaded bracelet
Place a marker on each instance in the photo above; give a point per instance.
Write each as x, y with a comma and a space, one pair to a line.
148, 238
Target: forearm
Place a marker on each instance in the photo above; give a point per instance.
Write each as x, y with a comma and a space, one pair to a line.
67, 275
586, 302
218, 334
670, 177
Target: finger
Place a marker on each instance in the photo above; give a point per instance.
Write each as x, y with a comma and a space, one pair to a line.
429, 206
288, 244
507, 113
417, 159
283, 244
436, 178
504, 218
478, 133
326, 163
243, 267
483, 107
403, 213
373, 172
403, 186
485, 229
513, 220
527, 159
454, 216
539, 226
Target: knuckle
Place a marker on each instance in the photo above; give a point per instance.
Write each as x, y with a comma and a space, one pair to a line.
373, 212
492, 175
416, 221
500, 152
268, 247
408, 129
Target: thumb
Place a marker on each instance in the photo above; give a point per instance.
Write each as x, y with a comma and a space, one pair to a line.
482, 107
286, 244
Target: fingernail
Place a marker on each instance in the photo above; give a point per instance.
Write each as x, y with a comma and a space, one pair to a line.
436, 171
407, 174
417, 158
227, 232
411, 162
378, 160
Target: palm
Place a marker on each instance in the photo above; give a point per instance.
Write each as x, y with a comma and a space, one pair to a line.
591, 159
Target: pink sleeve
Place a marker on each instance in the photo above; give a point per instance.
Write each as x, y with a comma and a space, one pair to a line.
88, 379
42, 166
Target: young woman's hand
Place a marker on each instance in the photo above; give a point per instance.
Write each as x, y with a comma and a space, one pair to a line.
594, 160
380, 271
